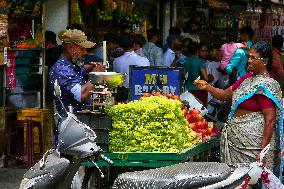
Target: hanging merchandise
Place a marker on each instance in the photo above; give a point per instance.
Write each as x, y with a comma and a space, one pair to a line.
277, 10
3, 25
3, 6
89, 2
19, 8
10, 70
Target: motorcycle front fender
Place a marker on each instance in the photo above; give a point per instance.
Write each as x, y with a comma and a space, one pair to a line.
52, 174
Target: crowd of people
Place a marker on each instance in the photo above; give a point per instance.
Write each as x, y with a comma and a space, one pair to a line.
245, 73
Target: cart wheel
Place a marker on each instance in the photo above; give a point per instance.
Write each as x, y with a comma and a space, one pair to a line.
92, 179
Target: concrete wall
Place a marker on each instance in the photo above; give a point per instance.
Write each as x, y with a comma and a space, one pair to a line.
57, 15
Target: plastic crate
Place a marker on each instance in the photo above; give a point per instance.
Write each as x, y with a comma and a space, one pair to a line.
101, 124
45, 117
199, 152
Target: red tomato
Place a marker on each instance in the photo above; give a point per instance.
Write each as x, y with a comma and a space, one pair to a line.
205, 124
209, 131
147, 94
192, 126
203, 132
199, 117
170, 95
176, 97
195, 111
190, 118
157, 94
200, 125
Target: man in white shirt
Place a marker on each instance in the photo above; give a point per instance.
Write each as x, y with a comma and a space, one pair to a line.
192, 31
172, 55
129, 58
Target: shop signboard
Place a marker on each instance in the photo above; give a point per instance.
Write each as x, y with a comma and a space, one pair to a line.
145, 79
218, 4
261, 25
277, 25
267, 25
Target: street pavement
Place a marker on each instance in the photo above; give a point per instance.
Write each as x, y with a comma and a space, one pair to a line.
10, 178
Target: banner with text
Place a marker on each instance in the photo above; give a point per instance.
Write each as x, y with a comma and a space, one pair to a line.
277, 25
266, 25
145, 79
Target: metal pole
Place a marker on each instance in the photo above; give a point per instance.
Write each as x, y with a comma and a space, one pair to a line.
44, 70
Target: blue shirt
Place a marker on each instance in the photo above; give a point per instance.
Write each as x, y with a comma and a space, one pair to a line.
239, 61
154, 54
70, 78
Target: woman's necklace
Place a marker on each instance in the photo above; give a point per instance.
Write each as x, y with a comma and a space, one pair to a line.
265, 73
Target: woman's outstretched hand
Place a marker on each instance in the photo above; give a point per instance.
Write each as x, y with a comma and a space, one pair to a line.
201, 84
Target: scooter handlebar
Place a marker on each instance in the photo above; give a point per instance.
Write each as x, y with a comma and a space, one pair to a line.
106, 159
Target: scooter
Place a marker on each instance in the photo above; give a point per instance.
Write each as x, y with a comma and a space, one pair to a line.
76, 143
201, 175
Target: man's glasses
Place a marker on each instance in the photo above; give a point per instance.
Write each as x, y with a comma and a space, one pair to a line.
250, 56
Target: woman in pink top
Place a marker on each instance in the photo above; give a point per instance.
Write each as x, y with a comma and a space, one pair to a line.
256, 116
228, 49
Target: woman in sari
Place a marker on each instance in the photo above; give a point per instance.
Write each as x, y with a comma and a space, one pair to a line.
255, 119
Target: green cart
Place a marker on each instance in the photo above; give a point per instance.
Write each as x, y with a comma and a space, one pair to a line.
134, 161
199, 152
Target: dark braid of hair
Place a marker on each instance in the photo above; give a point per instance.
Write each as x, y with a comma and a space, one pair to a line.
265, 51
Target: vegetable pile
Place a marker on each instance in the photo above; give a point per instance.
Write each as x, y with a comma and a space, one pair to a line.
151, 124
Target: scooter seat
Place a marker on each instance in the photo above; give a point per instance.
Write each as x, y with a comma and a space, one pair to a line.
183, 175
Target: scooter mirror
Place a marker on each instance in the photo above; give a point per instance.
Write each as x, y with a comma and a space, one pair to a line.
57, 91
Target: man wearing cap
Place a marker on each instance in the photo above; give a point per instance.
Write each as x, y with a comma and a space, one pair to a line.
172, 55
69, 72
